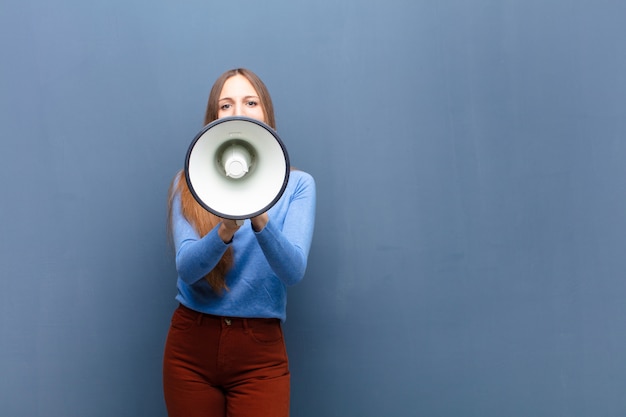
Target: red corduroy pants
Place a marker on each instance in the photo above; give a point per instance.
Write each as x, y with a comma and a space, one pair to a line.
225, 367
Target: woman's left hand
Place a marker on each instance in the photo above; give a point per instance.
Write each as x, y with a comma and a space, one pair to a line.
259, 222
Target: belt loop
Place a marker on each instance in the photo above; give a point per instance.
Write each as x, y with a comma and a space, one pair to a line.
245, 323
199, 319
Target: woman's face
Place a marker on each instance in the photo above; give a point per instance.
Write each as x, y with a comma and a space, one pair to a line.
239, 98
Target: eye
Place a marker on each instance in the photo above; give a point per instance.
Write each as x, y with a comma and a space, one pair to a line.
251, 103
225, 106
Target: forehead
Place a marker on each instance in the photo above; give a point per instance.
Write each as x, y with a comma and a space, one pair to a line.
237, 86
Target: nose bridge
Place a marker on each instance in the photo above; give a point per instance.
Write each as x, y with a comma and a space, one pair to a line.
239, 108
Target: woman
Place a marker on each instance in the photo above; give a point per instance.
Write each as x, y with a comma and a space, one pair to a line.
225, 353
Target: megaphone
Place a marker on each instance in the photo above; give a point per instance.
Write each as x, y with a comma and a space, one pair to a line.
237, 167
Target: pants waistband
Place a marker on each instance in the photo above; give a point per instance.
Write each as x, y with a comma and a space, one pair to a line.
244, 322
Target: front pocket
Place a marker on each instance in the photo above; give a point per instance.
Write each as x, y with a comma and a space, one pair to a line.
266, 331
182, 319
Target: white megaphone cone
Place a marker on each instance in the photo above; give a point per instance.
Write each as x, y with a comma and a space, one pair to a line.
237, 167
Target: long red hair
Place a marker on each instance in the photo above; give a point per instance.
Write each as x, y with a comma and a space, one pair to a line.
201, 220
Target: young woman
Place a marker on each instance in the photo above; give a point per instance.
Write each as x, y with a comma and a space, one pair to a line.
225, 354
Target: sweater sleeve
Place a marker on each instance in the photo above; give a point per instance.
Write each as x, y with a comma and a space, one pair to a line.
195, 256
287, 250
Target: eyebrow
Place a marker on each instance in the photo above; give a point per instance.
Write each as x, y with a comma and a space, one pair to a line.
245, 98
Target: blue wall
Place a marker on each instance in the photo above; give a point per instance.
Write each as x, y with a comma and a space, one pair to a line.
469, 155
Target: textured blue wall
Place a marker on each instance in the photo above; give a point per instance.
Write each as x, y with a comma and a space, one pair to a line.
469, 155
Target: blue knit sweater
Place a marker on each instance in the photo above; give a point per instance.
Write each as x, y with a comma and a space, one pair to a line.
265, 263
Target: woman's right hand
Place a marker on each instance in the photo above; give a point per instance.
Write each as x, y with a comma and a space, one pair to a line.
227, 229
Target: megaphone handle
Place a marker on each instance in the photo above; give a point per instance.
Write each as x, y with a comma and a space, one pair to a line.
239, 222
